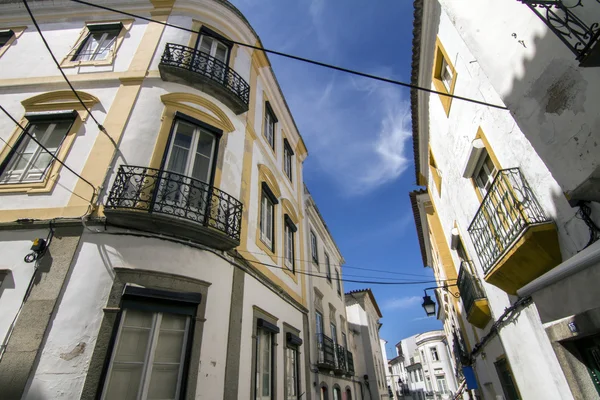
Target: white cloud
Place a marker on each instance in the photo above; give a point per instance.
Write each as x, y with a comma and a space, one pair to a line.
356, 132
399, 303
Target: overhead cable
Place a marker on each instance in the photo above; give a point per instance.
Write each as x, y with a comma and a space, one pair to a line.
298, 58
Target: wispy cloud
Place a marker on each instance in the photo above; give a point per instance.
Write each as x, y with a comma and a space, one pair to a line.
420, 318
356, 132
399, 303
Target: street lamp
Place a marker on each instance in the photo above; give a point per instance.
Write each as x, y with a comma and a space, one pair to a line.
429, 305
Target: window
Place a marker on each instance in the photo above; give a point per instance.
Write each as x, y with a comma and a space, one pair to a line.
428, 383
210, 45
420, 372
99, 43
333, 333
337, 394
288, 155
314, 250
289, 231
339, 283
269, 125
267, 218
5, 36
328, 272
151, 345
264, 359
422, 356
319, 330
441, 383
485, 172
292, 370
434, 354
27, 161
324, 393
436, 174
507, 380
444, 75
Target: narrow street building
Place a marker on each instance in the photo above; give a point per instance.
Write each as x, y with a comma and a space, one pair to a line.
508, 217
330, 368
363, 324
154, 245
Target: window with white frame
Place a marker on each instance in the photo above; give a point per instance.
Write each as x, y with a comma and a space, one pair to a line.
446, 74
428, 383
99, 42
314, 249
288, 157
434, 354
28, 161
484, 175
292, 366
269, 125
441, 383
339, 282
150, 348
328, 271
267, 217
264, 360
289, 231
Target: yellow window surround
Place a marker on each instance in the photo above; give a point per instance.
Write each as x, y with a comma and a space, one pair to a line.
289, 210
435, 173
17, 32
491, 154
266, 175
197, 26
63, 100
68, 62
441, 58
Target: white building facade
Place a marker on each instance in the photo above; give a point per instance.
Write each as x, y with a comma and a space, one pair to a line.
363, 323
168, 263
508, 201
331, 358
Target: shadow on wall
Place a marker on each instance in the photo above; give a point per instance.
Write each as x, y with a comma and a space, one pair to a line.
554, 101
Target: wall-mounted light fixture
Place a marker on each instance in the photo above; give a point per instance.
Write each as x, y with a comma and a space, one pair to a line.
429, 305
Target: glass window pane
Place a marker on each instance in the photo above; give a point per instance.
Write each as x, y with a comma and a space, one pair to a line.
221, 53
124, 382
205, 44
106, 45
205, 144
163, 383
201, 169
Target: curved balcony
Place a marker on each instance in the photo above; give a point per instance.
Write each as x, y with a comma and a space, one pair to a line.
165, 202
186, 65
514, 239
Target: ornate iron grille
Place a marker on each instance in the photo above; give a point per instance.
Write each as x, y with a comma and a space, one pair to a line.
506, 211
579, 36
468, 286
341, 357
326, 350
188, 58
350, 359
163, 192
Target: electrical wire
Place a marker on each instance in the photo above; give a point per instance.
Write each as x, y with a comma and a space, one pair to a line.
47, 151
303, 59
100, 127
344, 266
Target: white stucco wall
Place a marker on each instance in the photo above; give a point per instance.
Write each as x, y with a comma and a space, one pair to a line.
528, 349
79, 314
552, 98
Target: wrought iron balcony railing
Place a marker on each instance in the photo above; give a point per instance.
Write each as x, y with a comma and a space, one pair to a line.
167, 193
326, 350
204, 65
506, 211
574, 25
341, 363
469, 288
350, 360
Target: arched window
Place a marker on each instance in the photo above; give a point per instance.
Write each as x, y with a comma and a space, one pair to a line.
337, 393
324, 392
348, 394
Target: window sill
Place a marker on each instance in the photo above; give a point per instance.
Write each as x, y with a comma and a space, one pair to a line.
45, 186
440, 87
290, 273
94, 63
265, 247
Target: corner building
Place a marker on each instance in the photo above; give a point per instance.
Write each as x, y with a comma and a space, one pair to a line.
176, 276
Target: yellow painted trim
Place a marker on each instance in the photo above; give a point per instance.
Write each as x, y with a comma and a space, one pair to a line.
59, 100
68, 62
439, 54
269, 274
259, 57
148, 45
266, 144
179, 100
288, 208
197, 25
265, 174
17, 32
43, 213
422, 181
435, 173
96, 77
481, 135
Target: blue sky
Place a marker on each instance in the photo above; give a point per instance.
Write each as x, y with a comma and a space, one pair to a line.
358, 133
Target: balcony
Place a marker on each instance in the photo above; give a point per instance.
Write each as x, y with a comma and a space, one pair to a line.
513, 238
188, 66
334, 357
575, 25
474, 300
165, 202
